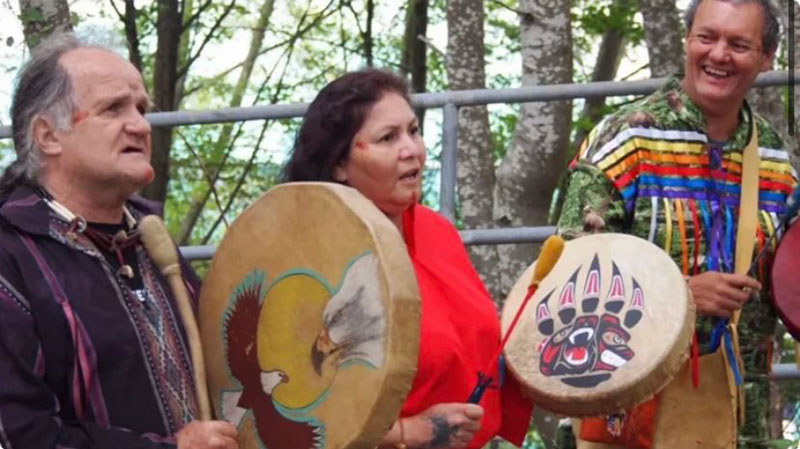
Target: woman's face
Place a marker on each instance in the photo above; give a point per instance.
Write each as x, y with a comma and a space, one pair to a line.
387, 156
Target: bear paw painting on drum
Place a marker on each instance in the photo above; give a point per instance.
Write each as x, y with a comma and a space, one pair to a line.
611, 326
586, 349
309, 317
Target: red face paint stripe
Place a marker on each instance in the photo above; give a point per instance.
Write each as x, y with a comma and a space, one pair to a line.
79, 116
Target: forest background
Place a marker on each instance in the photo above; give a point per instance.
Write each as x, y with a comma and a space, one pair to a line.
208, 54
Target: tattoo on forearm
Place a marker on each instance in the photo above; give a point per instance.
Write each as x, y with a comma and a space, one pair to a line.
441, 432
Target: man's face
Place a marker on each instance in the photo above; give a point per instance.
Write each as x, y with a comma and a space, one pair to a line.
724, 54
108, 146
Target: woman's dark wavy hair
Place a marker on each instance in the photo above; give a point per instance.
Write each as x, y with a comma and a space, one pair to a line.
333, 119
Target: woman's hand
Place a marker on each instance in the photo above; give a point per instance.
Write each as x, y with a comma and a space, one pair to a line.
720, 294
451, 425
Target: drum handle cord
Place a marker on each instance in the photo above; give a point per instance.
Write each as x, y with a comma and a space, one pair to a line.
160, 247
551, 252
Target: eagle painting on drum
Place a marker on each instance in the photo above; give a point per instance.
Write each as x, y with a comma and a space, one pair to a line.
586, 349
285, 343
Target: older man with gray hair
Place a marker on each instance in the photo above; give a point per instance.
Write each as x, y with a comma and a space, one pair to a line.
93, 353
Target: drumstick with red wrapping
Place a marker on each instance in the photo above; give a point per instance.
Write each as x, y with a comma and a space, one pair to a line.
159, 246
551, 251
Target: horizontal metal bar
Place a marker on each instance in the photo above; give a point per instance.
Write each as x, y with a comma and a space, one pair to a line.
198, 252
785, 371
567, 91
264, 112
470, 237
439, 99
507, 235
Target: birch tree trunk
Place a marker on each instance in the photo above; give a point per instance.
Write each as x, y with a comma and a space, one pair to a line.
475, 173
531, 168
663, 32
41, 18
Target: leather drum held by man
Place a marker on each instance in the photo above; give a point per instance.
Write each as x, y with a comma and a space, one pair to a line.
669, 168
93, 352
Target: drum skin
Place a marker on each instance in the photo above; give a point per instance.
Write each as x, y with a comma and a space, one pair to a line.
786, 280
309, 318
608, 328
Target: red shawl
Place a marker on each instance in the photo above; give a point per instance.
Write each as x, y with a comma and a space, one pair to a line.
459, 331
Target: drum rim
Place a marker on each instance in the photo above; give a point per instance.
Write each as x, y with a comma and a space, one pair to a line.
654, 377
404, 308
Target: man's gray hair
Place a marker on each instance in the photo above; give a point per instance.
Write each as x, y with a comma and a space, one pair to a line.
43, 89
772, 25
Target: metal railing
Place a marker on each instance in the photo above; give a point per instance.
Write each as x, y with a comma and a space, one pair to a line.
450, 102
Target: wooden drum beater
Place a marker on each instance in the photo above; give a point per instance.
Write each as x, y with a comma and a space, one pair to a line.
161, 249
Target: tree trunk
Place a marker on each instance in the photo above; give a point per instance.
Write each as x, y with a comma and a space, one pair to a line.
368, 40
663, 32
414, 59
201, 197
530, 170
169, 27
475, 173
132, 34
605, 69
41, 18
775, 400
184, 50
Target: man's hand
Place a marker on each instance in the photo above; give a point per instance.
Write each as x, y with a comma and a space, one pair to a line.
720, 294
207, 435
450, 425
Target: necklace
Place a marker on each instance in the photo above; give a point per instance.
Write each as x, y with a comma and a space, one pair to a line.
116, 244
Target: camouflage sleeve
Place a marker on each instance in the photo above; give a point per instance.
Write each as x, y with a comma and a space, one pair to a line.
591, 204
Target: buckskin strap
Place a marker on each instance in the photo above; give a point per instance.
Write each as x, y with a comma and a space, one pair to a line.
745, 240
748, 206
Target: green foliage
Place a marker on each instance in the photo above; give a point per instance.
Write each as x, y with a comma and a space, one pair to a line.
503, 27
782, 444
31, 15
6, 152
503, 47
502, 122
591, 19
596, 17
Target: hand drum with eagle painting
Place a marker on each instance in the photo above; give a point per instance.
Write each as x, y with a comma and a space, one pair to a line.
309, 319
608, 328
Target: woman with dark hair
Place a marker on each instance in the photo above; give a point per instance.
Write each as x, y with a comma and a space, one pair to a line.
360, 131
